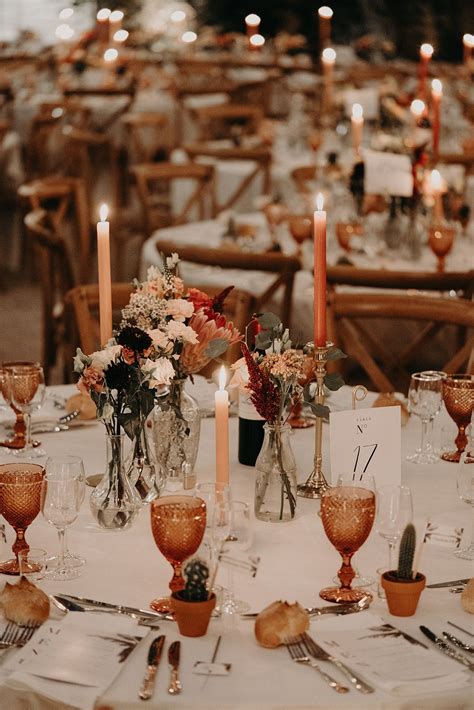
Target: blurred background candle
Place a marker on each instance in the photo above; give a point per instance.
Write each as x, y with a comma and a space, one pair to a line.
436, 184
426, 52
221, 399
468, 44
120, 36
436, 96
320, 273
256, 42
328, 59
103, 25
110, 55
189, 37
357, 121
115, 21
105, 280
325, 15
252, 24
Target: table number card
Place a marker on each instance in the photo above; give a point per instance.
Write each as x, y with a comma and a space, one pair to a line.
366, 441
387, 174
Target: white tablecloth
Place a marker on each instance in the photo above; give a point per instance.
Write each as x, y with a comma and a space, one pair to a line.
297, 561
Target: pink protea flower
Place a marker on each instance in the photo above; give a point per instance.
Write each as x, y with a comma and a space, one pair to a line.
193, 357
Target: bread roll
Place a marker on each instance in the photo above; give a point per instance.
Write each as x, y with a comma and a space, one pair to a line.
82, 402
467, 597
388, 399
279, 622
23, 603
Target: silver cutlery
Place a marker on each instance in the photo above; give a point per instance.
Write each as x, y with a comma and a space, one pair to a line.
298, 655
15, 636
321, 655
446, 649
174, 650
337, 609
459, 628
80, 604
452, 583
153, 661
457, 642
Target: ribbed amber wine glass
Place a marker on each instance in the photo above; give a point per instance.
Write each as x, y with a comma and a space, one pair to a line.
20, 499
458, 396
178, 524
347, 513
19, 428
27, 392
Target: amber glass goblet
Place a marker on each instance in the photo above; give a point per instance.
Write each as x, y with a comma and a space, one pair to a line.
458, 396
301, 229
20, 501
27, 392
345, 231
347, 512
18, 440
441, 240
178, 524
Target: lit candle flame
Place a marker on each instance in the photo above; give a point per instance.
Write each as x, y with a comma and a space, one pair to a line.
103, 14
188, 37
110, 55
116, 16
64, 31
66, 13
222, 378
320, 201
178, 16
357, 111
436, 181
329, 55
257, 40
426, 50
468, 40
103, 212
252, 20
437, 87
325, 12
417, 107
121, 36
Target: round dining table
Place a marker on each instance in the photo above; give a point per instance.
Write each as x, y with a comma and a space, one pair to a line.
296, 562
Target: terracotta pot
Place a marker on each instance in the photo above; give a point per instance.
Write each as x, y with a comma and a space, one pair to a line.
402, 596
192, 617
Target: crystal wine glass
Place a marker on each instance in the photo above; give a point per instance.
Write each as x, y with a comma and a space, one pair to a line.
424, 398
75, 466
347, 513
458, 396
27, 389
20, 498
239, 540
18, 439
435, 449
394, 512
465, 484
178, 524
61, 498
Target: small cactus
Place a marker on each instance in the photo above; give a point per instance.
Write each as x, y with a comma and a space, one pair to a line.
407, 553
196, 573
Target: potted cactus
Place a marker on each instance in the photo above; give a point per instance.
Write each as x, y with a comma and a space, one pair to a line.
402, 587
193, 605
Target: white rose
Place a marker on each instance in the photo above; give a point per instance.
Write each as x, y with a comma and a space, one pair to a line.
101, 359
161, 372
179, 331
159, 338
179, 308
107, 412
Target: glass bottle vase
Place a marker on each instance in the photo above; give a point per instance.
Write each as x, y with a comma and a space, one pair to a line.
115, 503
176, 431
275, 485
143, 470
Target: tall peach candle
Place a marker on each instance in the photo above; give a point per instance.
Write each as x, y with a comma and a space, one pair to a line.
328, 59
252, 24
426, 52
436, 96
222, 429
325, 15
320, 336
437, 189
105, 280
357, 121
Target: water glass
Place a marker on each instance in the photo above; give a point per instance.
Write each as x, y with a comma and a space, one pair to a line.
424, 399
394, 512
74, 465
32, 563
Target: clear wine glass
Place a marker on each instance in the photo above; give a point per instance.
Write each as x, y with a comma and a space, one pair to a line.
424, 398
465, 484
433, 446
74, 465
212, 492
61, 497
27, 391
237, 543
394, 510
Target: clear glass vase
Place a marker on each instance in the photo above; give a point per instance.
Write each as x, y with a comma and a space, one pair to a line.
275, 486
143, 470
115, 503
176, 430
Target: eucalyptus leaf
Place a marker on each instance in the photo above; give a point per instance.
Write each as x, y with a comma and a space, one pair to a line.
335, 354
216, 347
319, 409
333, 381
268, 320
262, 341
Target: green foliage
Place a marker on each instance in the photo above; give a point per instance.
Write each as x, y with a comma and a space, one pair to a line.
216, 347
196, 574
335, 354
333, 381
407, 553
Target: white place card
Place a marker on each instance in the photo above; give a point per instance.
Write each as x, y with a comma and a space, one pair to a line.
387, 174
366, 442
368, 98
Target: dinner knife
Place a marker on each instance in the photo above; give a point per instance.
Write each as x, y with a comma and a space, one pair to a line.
174, 650
446, 649
104, 606
453, 583
153, 661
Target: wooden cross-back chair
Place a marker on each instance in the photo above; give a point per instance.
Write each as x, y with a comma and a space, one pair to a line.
284, 267
153, 182
351, 316
261, 158
144, 133
56, 279
44, 126
127, 93
186, 88
61, 197
217, 121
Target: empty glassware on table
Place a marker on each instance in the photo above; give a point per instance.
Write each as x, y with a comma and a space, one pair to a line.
27, 391
424, 400
394, 510
73, 464
434, 447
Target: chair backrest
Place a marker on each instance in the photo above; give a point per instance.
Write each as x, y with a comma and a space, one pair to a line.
109, 95
218, 121
284, 267
350, 326
261, 158
144, 135
85, 306
153, 182
44, 128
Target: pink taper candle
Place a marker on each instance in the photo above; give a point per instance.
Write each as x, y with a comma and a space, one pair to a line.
426, 52
436, 96
105, 281
320, 273
222, 429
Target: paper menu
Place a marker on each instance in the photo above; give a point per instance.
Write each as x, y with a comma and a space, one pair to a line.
387, 174
366, 441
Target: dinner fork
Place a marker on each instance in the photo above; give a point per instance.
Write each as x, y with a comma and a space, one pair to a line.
298, 655
17, 636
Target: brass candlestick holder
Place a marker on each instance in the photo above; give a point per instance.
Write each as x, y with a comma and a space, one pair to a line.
316, 484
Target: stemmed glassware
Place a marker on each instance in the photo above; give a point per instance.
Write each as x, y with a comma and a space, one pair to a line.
458, 396
441, 240
27, 391
347, 513
394, 512
465, 484
424, 398
20, 498
61, 498
18, 440
178, 524
430, 433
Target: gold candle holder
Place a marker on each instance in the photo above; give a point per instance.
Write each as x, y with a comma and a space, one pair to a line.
316, 484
